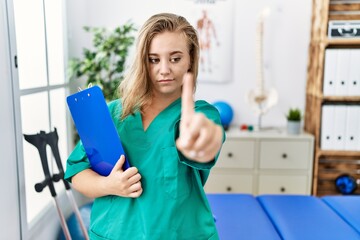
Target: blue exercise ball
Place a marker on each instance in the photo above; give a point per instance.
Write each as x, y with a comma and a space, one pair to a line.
73, 224
226, 113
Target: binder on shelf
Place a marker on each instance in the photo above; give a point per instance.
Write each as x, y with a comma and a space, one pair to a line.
358, 130
344, 29
327, 127
330, 72
352, 128
339, 127
353, 88
342, 72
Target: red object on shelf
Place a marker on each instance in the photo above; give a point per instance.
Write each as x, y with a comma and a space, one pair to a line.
243, 127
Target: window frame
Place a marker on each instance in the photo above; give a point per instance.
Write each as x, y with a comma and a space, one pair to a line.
46, 222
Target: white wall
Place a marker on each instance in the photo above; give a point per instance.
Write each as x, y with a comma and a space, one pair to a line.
286, 47
9, 204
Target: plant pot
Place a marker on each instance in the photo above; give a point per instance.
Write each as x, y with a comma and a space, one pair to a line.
293, 127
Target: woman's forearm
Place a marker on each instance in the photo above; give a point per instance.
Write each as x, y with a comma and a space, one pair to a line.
118, 182
90, 184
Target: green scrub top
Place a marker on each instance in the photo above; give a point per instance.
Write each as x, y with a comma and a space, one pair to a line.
173, 204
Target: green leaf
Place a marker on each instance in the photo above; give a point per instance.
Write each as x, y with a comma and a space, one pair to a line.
103, 64
294, 114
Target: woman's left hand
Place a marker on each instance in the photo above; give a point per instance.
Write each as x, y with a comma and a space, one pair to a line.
200, 138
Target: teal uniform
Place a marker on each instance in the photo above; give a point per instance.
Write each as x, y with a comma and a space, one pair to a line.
173, 204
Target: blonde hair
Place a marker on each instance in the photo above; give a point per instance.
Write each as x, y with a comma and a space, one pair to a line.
135, 90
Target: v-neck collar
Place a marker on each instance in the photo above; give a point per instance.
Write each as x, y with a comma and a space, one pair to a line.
139, 116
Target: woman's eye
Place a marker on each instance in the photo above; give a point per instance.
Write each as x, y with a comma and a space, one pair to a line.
175, 59
153, 60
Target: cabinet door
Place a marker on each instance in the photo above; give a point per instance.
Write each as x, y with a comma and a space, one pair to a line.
284, 154
229, 183
237, 154
283, 184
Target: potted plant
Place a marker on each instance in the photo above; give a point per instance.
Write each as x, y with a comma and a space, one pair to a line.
104, 64
293, 121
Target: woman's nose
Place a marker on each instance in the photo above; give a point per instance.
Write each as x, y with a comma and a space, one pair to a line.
164, 68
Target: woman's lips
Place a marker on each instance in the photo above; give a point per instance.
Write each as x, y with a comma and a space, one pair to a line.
165, 80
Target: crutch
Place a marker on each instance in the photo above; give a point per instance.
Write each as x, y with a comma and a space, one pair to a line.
52, 139
38, 140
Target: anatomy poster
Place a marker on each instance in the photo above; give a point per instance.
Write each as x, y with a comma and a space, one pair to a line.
213, 19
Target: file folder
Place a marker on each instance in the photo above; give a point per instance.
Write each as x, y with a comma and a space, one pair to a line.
342, 72
327, 127
358, 130
354, 73
330, 71
352, 126
339, 127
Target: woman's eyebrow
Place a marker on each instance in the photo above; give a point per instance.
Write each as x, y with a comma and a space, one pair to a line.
171, 53
176, 52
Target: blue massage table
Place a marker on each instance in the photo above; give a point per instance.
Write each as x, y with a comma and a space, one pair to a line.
289, 217
348, 209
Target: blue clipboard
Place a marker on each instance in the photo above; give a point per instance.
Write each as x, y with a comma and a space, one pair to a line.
96, 129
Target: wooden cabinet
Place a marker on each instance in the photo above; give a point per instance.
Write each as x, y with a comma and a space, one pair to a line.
329, 164
263, 162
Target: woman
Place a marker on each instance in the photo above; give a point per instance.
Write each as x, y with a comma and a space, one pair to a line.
161, 196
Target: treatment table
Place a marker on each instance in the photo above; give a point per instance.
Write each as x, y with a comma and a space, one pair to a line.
289, 217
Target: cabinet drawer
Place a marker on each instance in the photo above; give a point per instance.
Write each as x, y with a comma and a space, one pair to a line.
284, 154
229, 183
237, 154
283, 184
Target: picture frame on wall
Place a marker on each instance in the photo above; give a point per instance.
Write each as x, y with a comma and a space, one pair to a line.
213, 20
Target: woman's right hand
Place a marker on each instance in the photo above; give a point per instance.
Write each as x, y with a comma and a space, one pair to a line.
124, 183
118, 182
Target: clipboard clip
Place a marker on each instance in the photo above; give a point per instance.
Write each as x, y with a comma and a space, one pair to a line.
89, 86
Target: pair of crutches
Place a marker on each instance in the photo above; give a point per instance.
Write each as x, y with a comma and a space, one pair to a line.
40, 141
